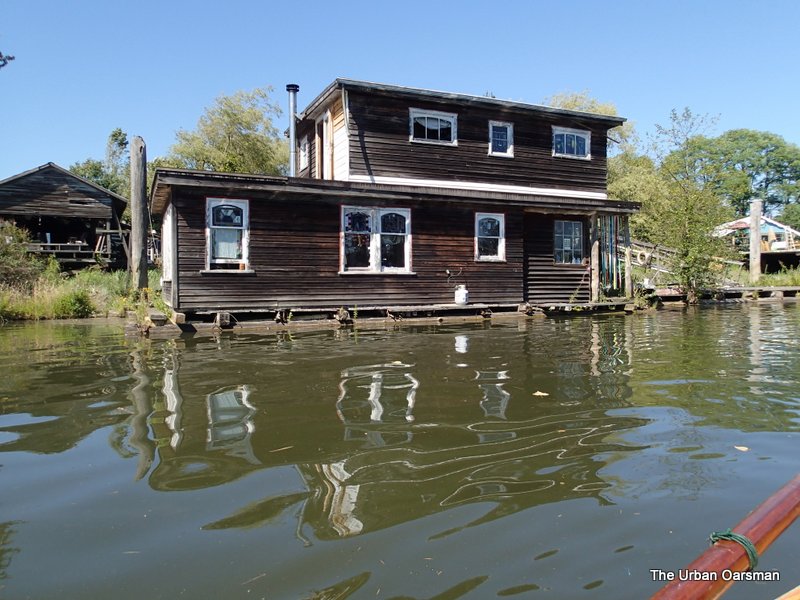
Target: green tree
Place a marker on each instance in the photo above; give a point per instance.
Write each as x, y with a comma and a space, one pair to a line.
686, 209
622, 137
235, 135
113, 173
18, 268
634, 177
742, 165
791, 216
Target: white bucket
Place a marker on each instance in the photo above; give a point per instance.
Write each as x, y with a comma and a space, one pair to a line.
462, 295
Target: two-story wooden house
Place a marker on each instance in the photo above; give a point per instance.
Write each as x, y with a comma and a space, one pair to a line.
398, 195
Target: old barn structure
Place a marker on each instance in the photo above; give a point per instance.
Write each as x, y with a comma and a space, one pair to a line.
400, 196
68, 217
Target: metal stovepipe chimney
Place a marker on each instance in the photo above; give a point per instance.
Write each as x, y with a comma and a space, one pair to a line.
292, 88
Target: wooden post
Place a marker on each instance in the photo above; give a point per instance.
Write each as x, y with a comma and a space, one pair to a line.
755, 241
139, 220
628, 273
595, 258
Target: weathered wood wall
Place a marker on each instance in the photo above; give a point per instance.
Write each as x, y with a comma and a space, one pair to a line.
294, 251
380, 146
49, 191
546, 281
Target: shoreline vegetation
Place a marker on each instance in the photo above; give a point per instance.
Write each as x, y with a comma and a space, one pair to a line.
32, 288
35, 288
90, 292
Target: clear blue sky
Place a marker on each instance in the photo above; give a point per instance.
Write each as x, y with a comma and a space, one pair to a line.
84, 67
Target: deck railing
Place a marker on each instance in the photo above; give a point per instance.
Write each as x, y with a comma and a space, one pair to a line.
71, 252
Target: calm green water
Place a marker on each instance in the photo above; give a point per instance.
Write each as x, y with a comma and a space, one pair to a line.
549, 458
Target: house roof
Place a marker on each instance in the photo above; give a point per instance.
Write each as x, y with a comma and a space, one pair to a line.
53, 190
465, 99
744, 223
236, 185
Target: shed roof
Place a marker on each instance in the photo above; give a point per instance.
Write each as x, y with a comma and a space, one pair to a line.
464, 99
744, 223
54, 191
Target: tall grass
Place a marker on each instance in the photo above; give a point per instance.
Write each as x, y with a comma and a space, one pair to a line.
786, 278
90, 292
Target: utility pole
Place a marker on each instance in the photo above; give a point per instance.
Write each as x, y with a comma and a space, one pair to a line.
755, 241
139, 220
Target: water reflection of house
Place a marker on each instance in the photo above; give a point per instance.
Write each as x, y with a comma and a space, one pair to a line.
230, 422
398, 441
222, 454
381, 393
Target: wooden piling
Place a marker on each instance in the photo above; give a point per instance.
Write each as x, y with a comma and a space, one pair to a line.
595, 258
139, 214
755, 241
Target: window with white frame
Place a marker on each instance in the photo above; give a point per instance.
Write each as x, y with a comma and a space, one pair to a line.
501, 138
568, 242
433, 126
227, 233
376, 240
303, 153
572, 143
490, 236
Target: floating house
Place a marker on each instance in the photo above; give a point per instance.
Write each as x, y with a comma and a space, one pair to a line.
68, 217
401, 198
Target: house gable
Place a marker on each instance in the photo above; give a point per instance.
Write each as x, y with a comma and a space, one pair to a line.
50, 190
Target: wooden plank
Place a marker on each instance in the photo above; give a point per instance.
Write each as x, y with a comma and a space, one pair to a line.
761, 527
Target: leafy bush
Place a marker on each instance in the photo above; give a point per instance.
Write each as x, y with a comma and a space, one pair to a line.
17, 267
74, 304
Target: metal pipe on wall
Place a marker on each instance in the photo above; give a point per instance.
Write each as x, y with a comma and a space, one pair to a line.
292, 88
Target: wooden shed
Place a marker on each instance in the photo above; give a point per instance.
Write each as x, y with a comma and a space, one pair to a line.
76, 221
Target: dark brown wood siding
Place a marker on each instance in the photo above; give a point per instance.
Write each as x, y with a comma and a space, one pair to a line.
546, 281
380, 146
50, 191
294, 253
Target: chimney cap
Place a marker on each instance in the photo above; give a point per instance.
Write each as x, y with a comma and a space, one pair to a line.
292, 87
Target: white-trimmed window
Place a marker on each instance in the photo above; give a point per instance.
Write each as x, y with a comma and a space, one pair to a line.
376, 240
490, 236
303, 153
432, 126
227, 233
572, 143
501, 138
568, 242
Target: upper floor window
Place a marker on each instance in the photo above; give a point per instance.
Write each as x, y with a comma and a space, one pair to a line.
568, 242
433, 126
501, 138
376, 239
303, 153
227, 233
573, 143
490, 236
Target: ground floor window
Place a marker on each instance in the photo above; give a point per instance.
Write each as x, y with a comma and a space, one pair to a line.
568, 242
227, 233
376, 239
490, 236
